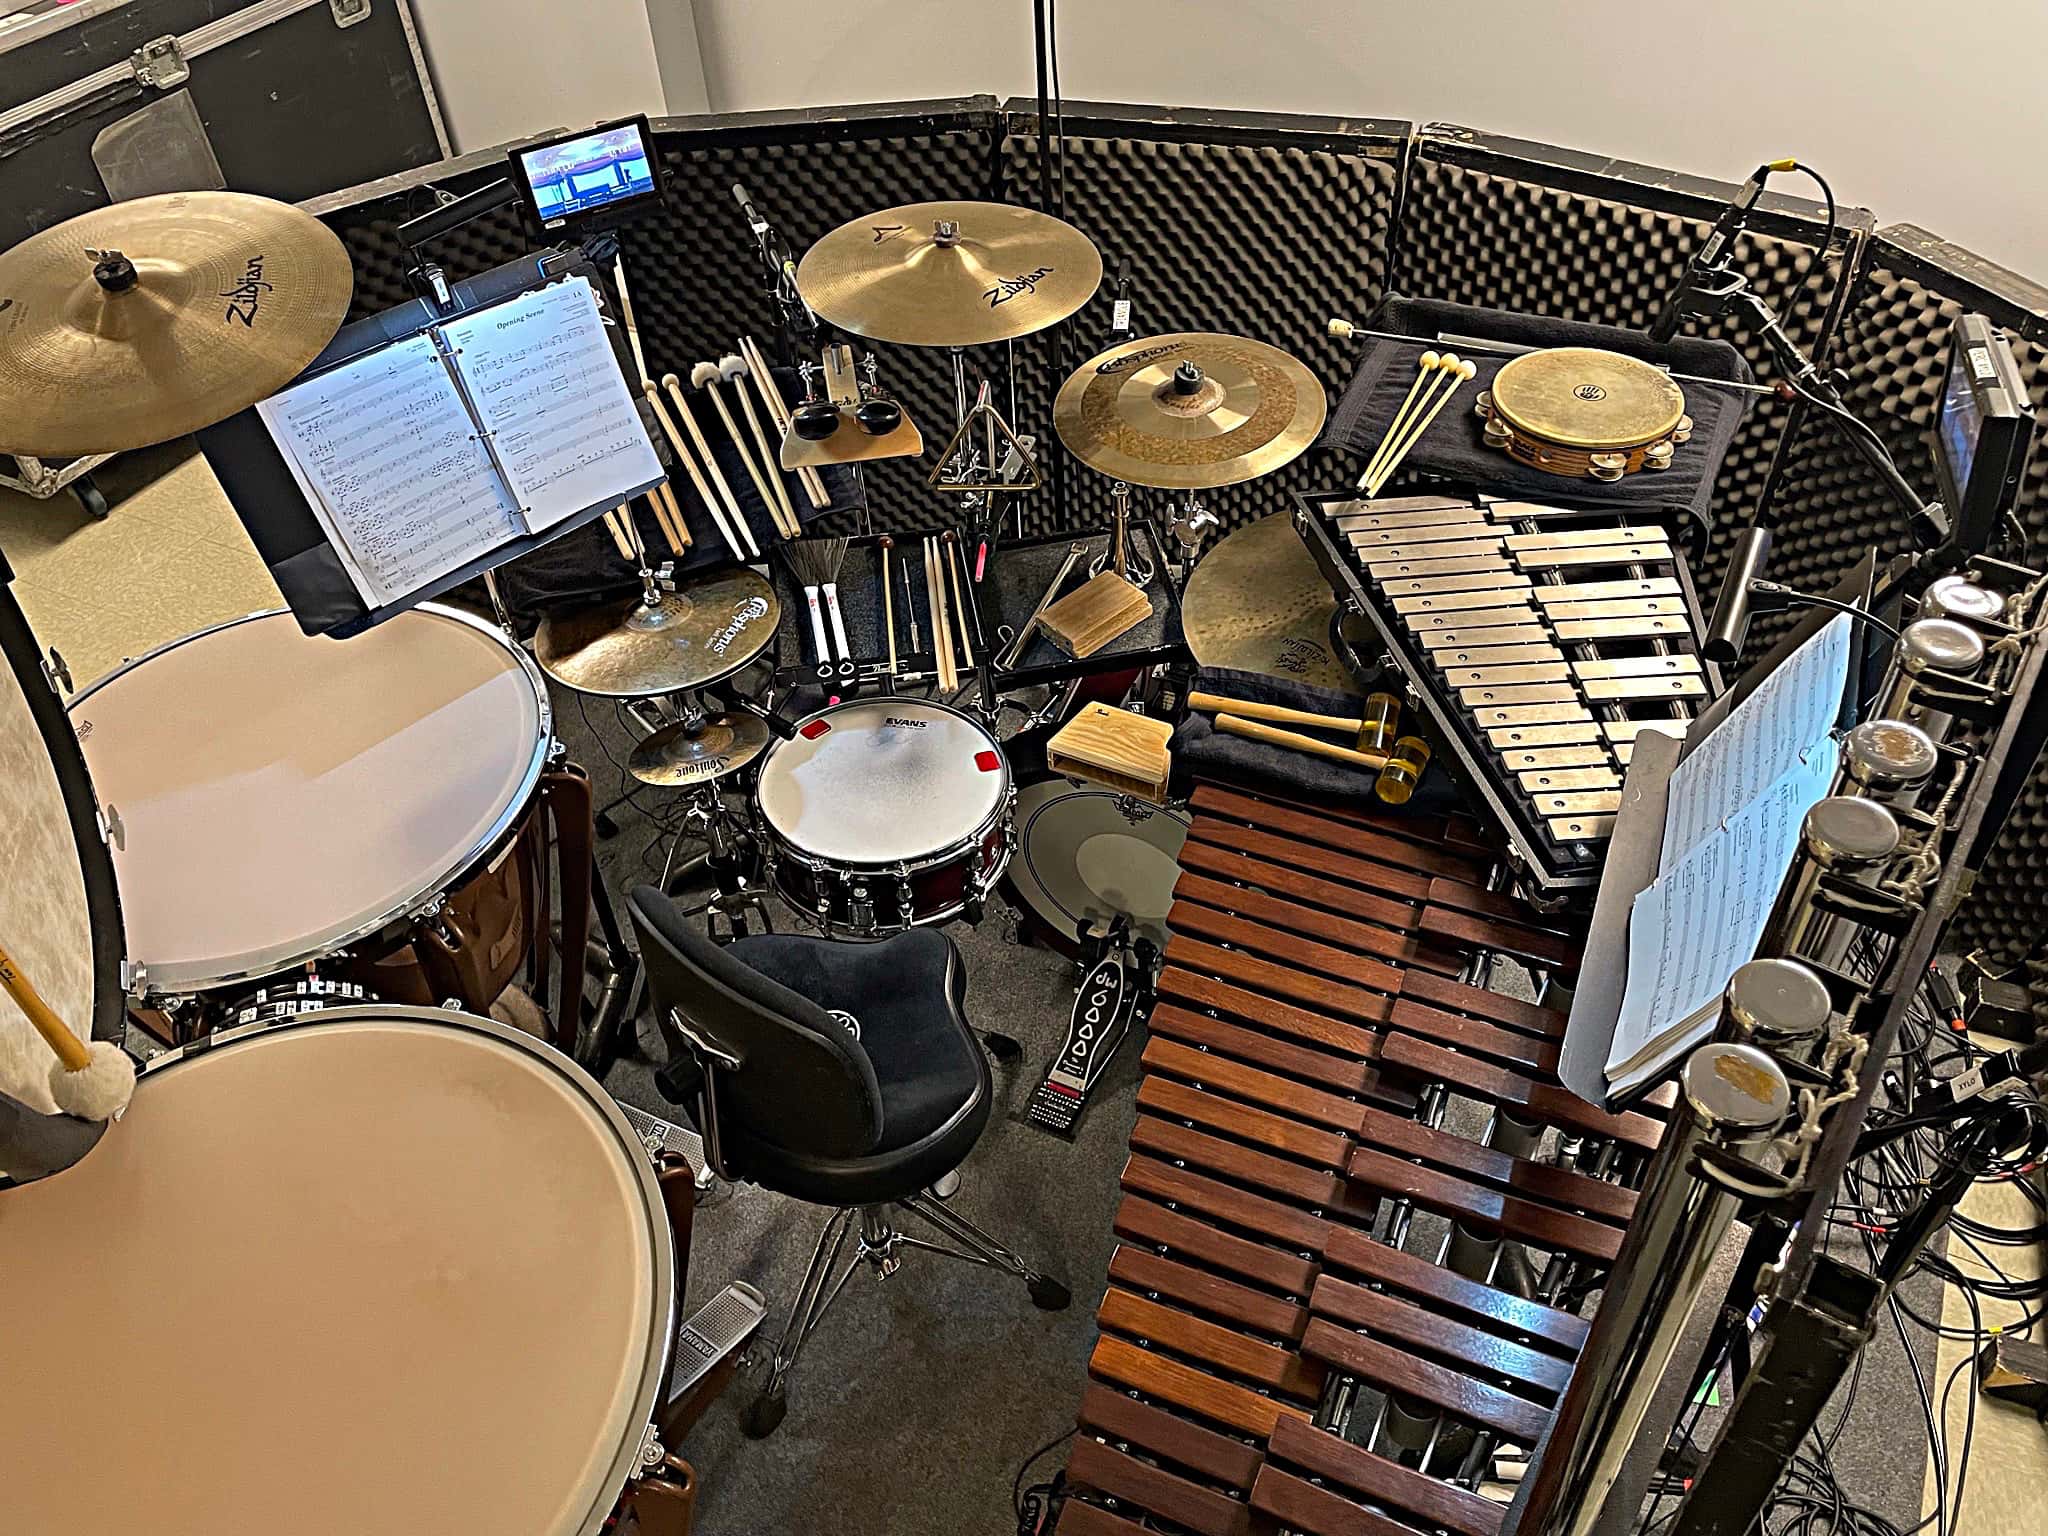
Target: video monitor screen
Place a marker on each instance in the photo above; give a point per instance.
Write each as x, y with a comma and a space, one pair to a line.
592, 174
1959, 423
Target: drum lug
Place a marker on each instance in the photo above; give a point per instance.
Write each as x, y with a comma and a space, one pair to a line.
112, 832
860, 906
651, 1452
56, 673
134, 978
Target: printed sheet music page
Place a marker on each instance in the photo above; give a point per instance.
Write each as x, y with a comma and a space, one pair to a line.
394, 468
1731, 828
546, 383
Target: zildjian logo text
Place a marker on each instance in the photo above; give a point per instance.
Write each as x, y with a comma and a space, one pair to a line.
1008, 288
246, 295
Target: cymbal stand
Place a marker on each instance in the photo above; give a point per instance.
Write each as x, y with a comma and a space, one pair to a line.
1190, 523
730, 856
1122, 556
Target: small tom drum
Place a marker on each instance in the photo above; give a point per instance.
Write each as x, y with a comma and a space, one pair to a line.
421, 1275
885, 814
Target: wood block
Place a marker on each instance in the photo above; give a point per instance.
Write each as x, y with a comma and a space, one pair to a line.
1114, 747
1095, 613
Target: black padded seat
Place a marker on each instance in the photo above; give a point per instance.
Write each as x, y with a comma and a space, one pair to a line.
861, 1115
907, 996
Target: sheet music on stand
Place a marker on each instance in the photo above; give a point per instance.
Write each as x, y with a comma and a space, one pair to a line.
425, 455
1705, 835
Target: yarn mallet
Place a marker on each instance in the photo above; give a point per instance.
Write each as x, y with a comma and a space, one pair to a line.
91, 1082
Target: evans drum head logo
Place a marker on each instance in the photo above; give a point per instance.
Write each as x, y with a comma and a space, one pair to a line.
908, 725
246, 295
1133, 359
742, 616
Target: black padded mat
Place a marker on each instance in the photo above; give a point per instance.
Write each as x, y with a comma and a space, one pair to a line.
1454, 446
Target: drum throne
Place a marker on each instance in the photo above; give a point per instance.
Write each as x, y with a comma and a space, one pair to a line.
844, 1075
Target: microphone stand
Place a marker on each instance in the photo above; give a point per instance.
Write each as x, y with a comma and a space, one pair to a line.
1716, 288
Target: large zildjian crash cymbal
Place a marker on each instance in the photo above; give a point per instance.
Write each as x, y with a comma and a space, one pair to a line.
950, 274
1189, 412
153, 318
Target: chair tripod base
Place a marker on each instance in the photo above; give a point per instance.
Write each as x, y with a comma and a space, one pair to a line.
880, 1245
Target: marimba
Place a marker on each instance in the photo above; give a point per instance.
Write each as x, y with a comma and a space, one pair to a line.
1541, 641
1283, 1342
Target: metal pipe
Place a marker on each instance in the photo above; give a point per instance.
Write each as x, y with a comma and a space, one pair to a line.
1734, 1095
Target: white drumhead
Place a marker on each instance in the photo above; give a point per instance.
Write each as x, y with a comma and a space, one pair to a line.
44, 923
382, 1272
877, 780
1089, 854
282, 794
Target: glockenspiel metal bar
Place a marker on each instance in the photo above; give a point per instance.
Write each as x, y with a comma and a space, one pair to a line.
1605, 689
1603, 554
1519, 672
1521, 693
1595, 591
1382, 570
1561, 734
1587, 754
1616, 608
1581, 829
1531, 714
1553, 780
1636, 666
1437, 639
1647, 626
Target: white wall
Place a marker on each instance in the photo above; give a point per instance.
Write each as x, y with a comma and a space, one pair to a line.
1924, 110
505, 68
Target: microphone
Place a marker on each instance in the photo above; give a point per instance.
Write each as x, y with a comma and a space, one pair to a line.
1733, 220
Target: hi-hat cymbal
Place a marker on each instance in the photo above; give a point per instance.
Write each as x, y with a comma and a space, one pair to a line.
626, 650
1256, 602
950, 274
149, 319
1190, 411
697, 751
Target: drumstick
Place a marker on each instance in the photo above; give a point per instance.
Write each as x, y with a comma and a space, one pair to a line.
660, 511
888, 599
733, 368
778, 413
683, 456
1460, 372
665, 494
952, 561
674, 386
935, 602
778, 410
611, 523
1425, 369
705, 376
92, 1083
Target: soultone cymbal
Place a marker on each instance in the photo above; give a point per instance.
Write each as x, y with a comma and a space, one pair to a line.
695, 752
626, 650
1257, 603
950, 274
1190, 411
149, 319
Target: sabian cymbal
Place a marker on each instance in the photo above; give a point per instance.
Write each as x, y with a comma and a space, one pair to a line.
695, 752
1257, 603
1189, 411
950, 274
149, 319
626, 650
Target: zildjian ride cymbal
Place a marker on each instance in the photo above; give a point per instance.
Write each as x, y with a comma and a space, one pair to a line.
950, 274
627, 650
696, 751
1189, 411
149, 319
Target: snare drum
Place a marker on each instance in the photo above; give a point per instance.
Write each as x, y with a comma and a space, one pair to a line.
884, 814
280, 797
420, 1277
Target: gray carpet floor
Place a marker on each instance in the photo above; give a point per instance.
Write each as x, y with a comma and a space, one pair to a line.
921, 1395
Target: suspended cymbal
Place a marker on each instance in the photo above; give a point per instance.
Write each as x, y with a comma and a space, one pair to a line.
1257, 603
950, 274
625, 650
1190, 411
149, 319
695, 752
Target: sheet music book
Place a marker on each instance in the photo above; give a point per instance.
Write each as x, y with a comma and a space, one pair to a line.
1731, 828
422, 456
